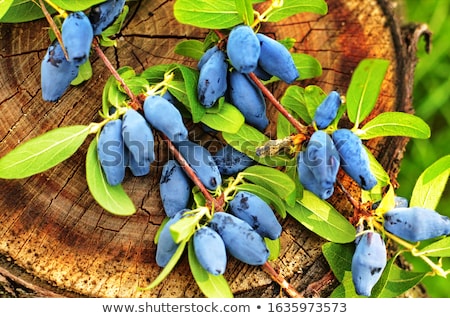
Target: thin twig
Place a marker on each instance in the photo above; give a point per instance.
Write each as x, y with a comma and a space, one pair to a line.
300, 128
135, 103
54, 28
278, 278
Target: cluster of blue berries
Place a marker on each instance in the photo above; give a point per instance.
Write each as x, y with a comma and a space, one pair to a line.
129, 142
247, 52
318, 164
77, 32
240, 233
412, 224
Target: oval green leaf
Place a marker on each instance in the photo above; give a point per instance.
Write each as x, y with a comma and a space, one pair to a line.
245, 11
307, 66
43, 152
218, 14
322, 218
112, 198
395, 124
439, 248
364, 88
4, 7
212, 286
228, 119
431, 184
270, 178
292, 7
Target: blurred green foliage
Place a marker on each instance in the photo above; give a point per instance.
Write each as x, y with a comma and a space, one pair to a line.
432, 103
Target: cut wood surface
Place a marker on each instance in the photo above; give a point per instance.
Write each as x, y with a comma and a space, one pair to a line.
55, 240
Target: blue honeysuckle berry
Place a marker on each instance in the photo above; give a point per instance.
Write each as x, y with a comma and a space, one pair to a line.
212, 82
77, 35
110, 150
368, 262
309, 181
210, 250
327, 110
257, 213
248, 98
231, 161
165, 117
416, 224
276, 60
354, 158
243, 49
240, 239
174, 188
104, 14
56, 73
166, 246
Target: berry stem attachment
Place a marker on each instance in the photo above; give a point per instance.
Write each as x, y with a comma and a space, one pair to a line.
300, 128
135, 103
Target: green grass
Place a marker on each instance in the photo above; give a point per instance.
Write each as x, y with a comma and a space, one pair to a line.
432, 103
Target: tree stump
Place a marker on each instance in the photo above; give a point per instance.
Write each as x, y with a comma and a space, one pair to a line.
55, 240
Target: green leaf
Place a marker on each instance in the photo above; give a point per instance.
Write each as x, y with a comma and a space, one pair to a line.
211, 286
274, 247
218, 14
137, 84
245, 11
228, 119
307, 66
322, 218
364, 88
186, 92
112, 198
23, 11
270, 178
339, 257
84, 73
294, 99
395, 124
115, 96
247, 139
314, 95
395, 281
268, 196
190, 48
292, 7
4, 7
439, 248
184, 228
431, 184
76, 5
43, 152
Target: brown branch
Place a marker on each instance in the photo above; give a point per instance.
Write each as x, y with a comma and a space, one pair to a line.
135, 103
54, 28
300, 128
278, 278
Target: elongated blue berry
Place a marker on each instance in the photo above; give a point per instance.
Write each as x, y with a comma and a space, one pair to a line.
205, 57
56, 73
416, 224
276, 60
104, 14
110, 150
210, 250
201, 161
212, 82
257, 213
322, 158
368, 262
240, 239
77, 36
327, 110
243, 49
354, 158
166, 246
309, 181
165, 117
174, 188
231, 161
138, 138
248, 98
